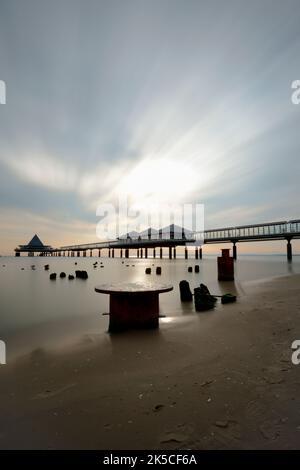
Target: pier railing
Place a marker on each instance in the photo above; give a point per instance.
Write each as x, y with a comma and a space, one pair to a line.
271, 230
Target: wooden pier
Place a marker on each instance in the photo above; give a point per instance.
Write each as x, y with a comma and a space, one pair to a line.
169, 240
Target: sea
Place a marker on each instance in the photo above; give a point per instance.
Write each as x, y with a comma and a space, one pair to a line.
38, 314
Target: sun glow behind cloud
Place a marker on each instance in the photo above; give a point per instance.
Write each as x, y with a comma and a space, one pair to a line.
161, 179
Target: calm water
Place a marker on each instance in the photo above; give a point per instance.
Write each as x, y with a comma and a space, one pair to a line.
38, 313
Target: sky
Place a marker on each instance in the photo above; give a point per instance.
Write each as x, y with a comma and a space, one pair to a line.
166, 101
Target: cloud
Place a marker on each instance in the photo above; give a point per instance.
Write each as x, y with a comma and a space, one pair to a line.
44, 171
152, 98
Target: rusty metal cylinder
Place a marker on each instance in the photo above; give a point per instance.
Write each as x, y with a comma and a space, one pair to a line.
225, 266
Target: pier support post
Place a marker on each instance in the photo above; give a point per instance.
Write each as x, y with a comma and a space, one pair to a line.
170, 252
121, 253
78, 253
196, 253
91, 253
154, 253
109, 253
160, 252
113, 253
127, 253
200, 253
289, 251
234, 251
146, 252
174, 252
83, 253
99, 253
186, 253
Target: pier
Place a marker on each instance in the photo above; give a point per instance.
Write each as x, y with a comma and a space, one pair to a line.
148, 242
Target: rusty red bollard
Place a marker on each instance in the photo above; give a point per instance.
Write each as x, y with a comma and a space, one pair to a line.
225, 266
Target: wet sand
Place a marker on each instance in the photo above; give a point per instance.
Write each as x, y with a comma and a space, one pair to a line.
225, 382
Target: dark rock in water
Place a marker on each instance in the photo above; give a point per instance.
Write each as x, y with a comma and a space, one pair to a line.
148, 270
158, 270
75, 263
81, 274
52, 276
46, 267
62, 275
22, 269
203, 299
190, 269
228, 298
71, 277
185, 292
197, 268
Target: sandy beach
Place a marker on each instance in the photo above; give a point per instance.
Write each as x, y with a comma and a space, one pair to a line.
223, 383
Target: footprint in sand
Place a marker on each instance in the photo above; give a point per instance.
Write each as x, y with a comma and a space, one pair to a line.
178, 436
53, 393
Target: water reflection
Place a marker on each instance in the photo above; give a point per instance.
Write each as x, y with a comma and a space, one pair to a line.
39, 313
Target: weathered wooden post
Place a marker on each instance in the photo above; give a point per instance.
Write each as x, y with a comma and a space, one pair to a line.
234, 251
289, 250
185, 292
200, 253
196, 253
170, 252
174, 252
161, 252
154, 253
186, 253
225, 266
